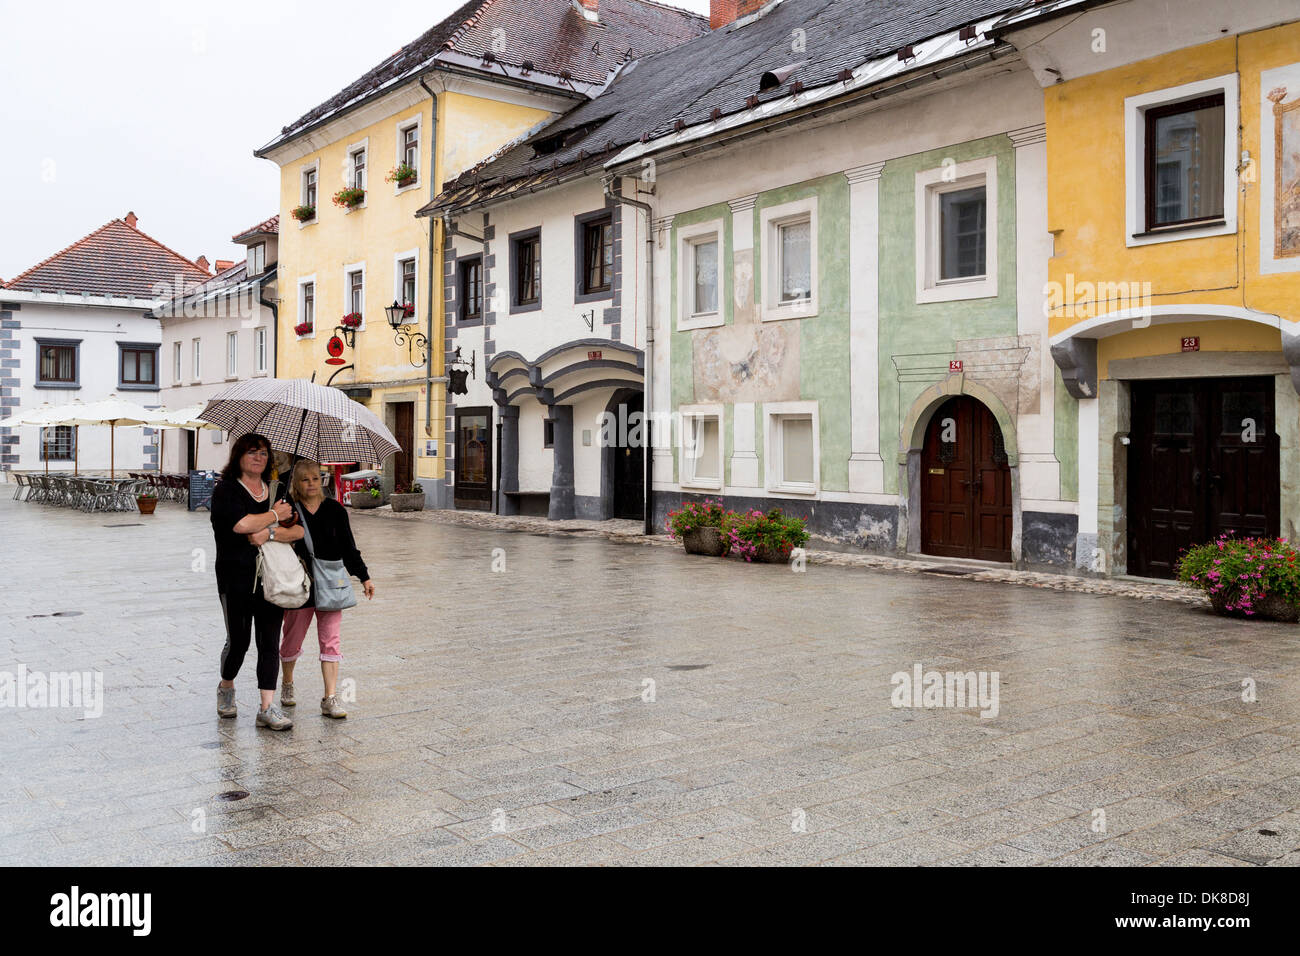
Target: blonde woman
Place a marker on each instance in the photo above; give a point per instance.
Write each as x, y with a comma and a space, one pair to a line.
331, 535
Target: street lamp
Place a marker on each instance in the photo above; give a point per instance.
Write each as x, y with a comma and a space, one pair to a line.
406, 335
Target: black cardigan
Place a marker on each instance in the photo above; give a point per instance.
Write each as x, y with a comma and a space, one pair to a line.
236, 564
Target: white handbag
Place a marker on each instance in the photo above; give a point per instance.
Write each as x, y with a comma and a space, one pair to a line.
285, 581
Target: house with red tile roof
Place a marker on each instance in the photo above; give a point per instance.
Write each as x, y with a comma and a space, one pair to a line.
80, 325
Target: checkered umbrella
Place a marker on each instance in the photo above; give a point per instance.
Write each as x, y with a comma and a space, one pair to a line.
303, 419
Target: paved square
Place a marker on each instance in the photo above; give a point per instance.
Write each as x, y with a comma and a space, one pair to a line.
601, 702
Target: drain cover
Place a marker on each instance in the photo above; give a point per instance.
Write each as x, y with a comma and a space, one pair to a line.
232, 795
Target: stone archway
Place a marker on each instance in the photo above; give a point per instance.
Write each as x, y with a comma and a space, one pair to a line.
916, 422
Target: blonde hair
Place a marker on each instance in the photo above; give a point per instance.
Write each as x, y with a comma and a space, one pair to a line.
303, 466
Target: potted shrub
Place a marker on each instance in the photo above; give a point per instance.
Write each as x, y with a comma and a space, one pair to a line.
770, 537
304, 213
303, 328
403, 499
1246, 577
350, 197
146, 501
402, 174
369, 496
351, 321
699, 526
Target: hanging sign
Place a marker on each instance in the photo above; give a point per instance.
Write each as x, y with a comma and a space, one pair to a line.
335, 348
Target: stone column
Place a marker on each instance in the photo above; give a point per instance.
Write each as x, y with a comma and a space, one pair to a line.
509, 415
866, 467
562, 504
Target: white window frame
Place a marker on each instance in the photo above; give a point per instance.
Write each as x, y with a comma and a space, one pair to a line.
1135, 108
347, 291
772, 219
177, 368
397, 275
251, 257
302, 191
302, 282
687, 238
402, 126
259, 350
352, 150
690, 414
774, 414
196, 353
931, 184
232, 355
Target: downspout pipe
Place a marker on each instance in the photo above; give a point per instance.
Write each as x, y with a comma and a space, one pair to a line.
648, 458
275, 323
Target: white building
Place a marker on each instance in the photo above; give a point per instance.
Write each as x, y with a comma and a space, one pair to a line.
222, 332
80, 325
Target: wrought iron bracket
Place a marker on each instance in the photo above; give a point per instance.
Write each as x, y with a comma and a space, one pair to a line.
413, 340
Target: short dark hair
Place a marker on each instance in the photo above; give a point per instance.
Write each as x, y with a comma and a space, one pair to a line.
243, 445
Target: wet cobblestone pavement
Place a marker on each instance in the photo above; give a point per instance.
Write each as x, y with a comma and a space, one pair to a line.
602, 701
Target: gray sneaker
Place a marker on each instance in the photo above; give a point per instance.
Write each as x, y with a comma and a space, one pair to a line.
329, 706
226, 701
273, 717
286, 695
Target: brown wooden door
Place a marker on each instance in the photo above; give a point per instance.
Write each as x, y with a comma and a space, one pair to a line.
1203, 461
965, 484
473, 468
404, 432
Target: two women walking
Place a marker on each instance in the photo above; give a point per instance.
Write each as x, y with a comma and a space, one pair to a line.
244, 517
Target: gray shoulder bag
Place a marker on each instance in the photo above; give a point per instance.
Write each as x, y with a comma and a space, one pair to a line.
330, 579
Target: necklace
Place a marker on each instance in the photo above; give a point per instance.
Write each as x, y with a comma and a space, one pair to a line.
259, 495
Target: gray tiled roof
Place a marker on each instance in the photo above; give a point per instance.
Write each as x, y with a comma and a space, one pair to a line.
718, 71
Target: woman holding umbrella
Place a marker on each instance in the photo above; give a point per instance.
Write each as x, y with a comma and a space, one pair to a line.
331, 540
243, 519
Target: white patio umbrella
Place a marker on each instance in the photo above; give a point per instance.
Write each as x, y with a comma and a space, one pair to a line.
186, 418
302, 418
41, 417
112, 412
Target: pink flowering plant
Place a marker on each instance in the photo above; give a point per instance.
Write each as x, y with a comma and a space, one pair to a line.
750, 533
695, 514
1239, 573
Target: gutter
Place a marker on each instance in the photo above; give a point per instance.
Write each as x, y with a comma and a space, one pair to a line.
647, 462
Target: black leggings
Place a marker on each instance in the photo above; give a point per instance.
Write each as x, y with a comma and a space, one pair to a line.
245, 615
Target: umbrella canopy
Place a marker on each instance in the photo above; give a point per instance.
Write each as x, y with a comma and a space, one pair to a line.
302, 418
44, 415
187, 417
110, 411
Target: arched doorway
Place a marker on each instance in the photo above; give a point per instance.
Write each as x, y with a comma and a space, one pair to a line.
966, 493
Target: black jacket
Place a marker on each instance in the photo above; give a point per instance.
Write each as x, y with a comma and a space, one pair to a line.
331, 537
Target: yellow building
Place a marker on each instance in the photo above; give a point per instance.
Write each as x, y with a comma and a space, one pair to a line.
1173, 152
360, 276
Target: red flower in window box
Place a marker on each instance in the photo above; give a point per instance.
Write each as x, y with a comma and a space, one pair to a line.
351, 321
303, 328
351, 197
408, 310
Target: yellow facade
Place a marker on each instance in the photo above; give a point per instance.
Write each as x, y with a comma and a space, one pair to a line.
1088, 172
468, 128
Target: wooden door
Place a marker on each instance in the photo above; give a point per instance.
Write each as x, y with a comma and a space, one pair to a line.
404, 432
629, 468
1203, 461
965, 484
473, 467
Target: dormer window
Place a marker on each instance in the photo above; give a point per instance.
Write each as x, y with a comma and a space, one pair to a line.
256, 259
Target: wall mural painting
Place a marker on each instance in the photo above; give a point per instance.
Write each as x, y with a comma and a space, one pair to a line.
1286, 175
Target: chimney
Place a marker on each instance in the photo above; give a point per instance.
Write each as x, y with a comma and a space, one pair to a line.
590, 9
131, 220
224, 264
722, 12
202, 263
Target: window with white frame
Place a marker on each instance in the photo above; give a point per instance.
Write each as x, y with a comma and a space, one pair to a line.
232, 354
307, 307
196, 369
700, 268
357, 167
701, 435
176, 361
408, 150
793, 450
789, 237
1181, 149
256, 259
957, 231
259, 349
308, 194
354, 292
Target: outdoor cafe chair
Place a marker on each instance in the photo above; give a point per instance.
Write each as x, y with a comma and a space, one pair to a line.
21, 486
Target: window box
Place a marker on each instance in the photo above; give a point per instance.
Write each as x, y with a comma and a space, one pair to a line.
303, 328
350, 197
402, 174
304, 213
351, 321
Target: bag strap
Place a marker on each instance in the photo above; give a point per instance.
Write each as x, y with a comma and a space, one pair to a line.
306, 532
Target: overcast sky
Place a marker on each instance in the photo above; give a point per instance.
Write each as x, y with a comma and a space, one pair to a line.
156, 106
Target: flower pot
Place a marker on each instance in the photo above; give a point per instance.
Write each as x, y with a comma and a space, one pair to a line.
364, 499
1269, 608
410, 501
771, 555
146, 505
405, 182
705, 540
